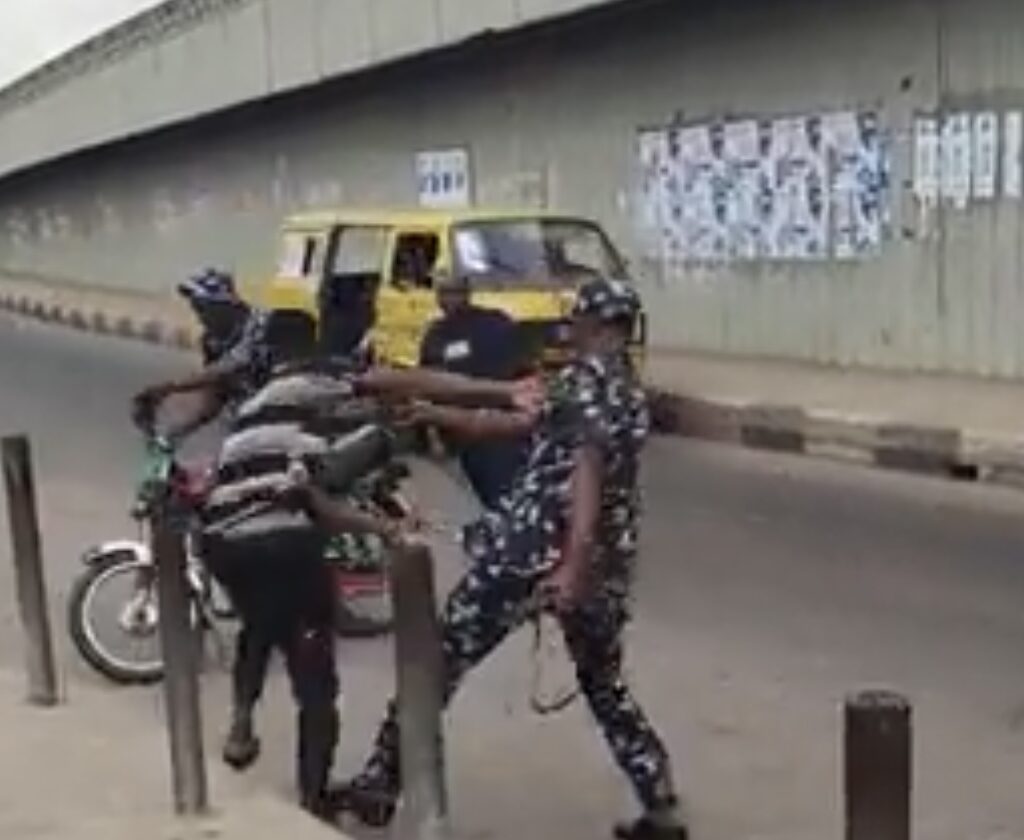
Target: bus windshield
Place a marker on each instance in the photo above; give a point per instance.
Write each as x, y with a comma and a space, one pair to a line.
560, 250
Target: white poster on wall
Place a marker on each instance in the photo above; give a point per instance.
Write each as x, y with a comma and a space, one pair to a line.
985, 157
743, 197
1013, 133
927, 159
859, 184
801, 206
443, 178
652, 200
957, 153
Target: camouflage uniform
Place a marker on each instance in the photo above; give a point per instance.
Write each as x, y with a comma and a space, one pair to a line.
594, 401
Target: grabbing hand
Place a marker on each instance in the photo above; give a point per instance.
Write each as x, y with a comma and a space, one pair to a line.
563, 588
529, 394
145, 405
298, 486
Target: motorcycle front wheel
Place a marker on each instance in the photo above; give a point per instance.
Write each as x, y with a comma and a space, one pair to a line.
114, 620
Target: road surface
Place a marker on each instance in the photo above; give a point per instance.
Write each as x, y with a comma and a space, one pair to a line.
769, 588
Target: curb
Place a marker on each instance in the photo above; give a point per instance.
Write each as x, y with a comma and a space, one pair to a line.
879, 442
96, 320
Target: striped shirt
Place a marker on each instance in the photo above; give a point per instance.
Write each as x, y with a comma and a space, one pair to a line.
296, 415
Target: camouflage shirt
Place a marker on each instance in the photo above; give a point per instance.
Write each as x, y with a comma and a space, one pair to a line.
248, 354
595, 401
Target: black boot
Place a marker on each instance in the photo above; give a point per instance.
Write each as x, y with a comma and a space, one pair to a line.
241, 747
646, 828
372, 805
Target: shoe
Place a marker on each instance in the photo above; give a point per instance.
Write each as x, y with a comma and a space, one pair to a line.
374, 808
646, 829
241, 747
319, 808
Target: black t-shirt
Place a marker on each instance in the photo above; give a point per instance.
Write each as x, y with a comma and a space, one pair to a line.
483, 343
475, 342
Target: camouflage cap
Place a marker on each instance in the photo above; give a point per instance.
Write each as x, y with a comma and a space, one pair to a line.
608, 300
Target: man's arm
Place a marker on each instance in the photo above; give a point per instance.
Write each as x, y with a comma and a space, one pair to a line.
210, 404
436, 385
585, 506
210, 378
340, 517
478, 423
567, 583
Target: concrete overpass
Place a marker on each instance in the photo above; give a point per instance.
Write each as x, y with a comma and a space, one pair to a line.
185, 59
180, 139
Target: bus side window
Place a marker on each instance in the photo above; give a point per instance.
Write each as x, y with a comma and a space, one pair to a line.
301, 256
415, 258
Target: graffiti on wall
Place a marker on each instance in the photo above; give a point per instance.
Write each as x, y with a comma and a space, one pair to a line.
965, 157
797, 188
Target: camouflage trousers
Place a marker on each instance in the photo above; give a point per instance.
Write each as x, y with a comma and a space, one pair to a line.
491, 601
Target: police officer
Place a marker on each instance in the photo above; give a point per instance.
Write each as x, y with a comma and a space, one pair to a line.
484, 343
270, 556
221, 312
565, 536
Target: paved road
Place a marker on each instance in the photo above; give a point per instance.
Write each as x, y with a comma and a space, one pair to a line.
770, 587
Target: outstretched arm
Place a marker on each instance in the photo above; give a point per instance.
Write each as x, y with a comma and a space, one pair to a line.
213, 377
480, 423
420, 383
338, 517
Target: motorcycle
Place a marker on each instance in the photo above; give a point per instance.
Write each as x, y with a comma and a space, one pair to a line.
120, 576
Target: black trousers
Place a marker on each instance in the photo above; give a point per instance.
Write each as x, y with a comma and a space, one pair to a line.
284, 594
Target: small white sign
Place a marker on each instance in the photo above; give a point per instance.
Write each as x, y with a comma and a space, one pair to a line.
956, 159
1013, 133
927, 165
985, 158
443, 178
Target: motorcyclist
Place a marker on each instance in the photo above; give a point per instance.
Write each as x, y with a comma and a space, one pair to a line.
233, 345
221, 312
236, 360
263, 537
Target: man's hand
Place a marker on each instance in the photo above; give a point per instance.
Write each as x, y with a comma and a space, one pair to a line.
145, 405
297, 489
425, 413
565, 587
528, 395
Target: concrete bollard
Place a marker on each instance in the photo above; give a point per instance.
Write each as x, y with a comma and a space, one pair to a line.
418, 661
878, 756
28, 566
180, 651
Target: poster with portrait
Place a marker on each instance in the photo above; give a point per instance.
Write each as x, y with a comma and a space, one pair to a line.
651, 195
956, 159
858, 185
927, 160
801, 211
985, 155
745, 185
796, 188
